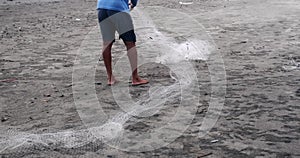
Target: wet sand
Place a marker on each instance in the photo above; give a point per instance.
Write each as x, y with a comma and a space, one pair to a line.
260, 117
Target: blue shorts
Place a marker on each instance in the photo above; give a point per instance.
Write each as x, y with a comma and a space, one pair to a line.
111, 21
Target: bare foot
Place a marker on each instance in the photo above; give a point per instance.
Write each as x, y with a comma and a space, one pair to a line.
139, 81
111, 81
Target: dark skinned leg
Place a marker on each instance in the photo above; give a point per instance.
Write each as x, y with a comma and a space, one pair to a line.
132, 55
106, 53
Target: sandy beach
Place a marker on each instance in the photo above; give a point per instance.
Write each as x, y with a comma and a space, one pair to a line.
54, 101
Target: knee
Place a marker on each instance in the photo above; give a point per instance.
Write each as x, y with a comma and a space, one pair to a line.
129, 45
106, 47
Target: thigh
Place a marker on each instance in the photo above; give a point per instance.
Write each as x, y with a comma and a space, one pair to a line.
107, 28
122, 21
124, 25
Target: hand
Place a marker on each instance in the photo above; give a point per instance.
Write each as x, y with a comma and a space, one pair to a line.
130, 6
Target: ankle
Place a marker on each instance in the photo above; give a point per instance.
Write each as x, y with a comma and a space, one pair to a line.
110, 78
